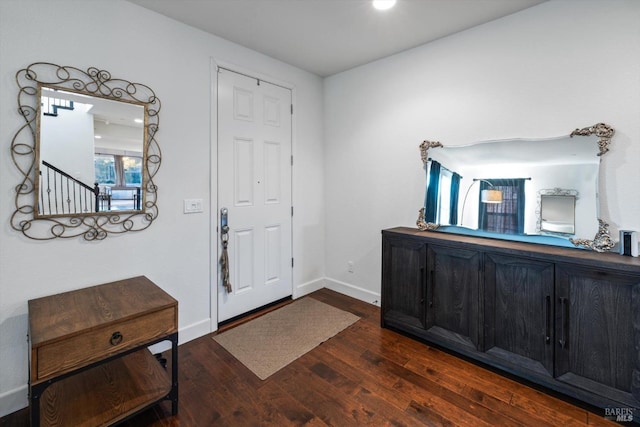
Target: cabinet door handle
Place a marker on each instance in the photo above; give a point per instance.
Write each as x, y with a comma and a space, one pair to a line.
563, 321
431, 284
116, 338
548, 319
422, 285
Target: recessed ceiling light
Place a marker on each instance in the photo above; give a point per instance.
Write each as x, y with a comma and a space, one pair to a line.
97, 137
383, 4
137, 120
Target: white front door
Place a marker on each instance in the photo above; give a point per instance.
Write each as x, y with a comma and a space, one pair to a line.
254, 185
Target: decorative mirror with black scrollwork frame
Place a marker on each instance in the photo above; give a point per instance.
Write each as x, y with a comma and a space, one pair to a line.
72, 197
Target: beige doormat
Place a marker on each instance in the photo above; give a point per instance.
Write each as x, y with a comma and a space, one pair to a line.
269, 343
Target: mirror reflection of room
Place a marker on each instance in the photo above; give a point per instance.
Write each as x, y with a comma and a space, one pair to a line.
90, 154
464, 182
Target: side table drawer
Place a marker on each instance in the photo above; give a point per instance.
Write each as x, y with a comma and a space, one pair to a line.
80, 350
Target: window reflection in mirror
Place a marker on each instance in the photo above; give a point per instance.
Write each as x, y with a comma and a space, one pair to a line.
90, 154
508, 215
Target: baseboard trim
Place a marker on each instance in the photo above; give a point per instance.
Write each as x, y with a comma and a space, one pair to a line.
185, 334
14, 400
193, 331
353, 291
308, 287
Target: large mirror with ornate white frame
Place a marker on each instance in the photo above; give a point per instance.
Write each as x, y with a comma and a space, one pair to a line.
87, 153
536, 190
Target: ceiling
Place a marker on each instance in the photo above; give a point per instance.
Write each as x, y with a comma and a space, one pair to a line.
326, 37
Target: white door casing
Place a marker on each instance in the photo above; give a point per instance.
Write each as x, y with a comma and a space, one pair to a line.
254, 184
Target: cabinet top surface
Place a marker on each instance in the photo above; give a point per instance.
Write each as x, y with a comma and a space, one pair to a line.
554, 253
71, 312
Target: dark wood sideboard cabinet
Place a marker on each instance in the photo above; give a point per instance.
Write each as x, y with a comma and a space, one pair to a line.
565, 319
89, 362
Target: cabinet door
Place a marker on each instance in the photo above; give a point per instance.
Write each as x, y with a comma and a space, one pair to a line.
453, 296
518, 310
403, 283
597, 318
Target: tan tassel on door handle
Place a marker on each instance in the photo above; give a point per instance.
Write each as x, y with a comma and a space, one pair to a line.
224, 263
224, 258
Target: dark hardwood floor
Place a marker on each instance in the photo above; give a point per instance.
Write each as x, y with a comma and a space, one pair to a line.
365, 375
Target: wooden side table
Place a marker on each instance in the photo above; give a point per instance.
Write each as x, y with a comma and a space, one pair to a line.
89, 363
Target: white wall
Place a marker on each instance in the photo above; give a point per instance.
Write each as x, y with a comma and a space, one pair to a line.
175, 60
539, 73
66, 142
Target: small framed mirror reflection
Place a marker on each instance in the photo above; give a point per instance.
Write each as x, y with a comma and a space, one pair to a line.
87, 153
558, 214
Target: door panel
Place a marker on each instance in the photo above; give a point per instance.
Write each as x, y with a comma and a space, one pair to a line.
243, 172
403, 283
254, 184
596, 317
518, 312
453, 289
272, 172
273, 253
242, 254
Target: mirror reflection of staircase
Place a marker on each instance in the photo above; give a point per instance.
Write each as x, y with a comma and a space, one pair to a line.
62, 194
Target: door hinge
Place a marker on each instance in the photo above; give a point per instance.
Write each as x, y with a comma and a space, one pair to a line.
291, 210
292, 109
291, 160
291, 262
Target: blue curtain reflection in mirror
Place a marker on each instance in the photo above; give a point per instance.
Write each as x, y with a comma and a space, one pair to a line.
433, 187
443, 191
453, 200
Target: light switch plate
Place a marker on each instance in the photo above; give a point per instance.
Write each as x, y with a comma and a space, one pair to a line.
192, 205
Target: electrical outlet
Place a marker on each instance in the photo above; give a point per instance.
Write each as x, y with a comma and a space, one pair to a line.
350, 266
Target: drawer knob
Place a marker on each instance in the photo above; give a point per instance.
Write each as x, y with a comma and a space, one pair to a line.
116, 338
